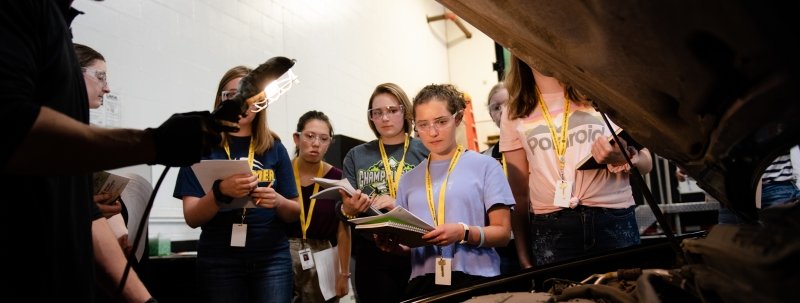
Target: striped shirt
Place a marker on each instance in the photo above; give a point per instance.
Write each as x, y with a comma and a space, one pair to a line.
780, 170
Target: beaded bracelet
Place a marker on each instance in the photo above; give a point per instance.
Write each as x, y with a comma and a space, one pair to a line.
341, 209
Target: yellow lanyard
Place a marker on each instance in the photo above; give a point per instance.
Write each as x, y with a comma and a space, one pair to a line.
559, 144
392, 181
438, 218
305, 222
503, 162
250, 154
250, 158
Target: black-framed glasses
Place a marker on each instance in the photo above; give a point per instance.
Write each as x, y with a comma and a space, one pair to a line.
388, 111
97, 74
311, 137
437, 123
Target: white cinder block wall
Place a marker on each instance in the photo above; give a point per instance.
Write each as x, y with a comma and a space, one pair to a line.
166, 57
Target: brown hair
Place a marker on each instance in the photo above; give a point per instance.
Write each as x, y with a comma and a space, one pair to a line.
523, 93
261, 135
497, 87
86, 54
442, 92
397, 92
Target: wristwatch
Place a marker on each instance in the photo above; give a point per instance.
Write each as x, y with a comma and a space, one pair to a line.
218, 195
466, 233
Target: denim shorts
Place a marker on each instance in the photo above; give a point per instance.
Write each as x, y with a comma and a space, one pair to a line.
778, 193
574, 232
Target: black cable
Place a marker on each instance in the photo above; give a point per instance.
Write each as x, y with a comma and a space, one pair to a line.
132, 255
648, 195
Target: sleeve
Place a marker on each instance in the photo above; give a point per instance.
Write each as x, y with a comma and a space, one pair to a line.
284, 174
496, 189
187, 184
18, 73
349, 167
509, 137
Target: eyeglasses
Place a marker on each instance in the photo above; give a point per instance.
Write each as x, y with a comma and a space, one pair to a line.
389, 111
496, 107
98, 75
438, 123
227, 95
311, 137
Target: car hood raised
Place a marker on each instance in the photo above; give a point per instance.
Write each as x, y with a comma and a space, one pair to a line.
710, 85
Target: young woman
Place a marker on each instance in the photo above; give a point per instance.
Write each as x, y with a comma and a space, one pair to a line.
546, 129
462, 193
319, 225
243, 253
377, 167
498, 97
93, 66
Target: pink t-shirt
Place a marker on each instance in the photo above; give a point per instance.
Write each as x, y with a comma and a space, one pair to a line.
594, 187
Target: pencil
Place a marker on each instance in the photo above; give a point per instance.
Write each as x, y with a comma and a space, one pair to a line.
268, 186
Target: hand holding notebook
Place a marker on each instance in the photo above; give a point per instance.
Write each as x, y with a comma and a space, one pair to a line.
399, 223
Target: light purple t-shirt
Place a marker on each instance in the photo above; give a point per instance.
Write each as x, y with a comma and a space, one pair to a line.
476, 184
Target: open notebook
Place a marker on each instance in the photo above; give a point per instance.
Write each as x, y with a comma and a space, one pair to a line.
330, 191
404, 226
330, 188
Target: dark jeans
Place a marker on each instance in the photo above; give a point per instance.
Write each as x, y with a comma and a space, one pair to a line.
571, 233
265, 278
380, 276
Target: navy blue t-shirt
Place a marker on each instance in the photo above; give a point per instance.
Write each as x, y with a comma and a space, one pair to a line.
266, 232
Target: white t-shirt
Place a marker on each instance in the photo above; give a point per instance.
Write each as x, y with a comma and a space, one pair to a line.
596, 187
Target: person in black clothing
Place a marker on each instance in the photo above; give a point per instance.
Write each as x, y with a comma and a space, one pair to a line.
46, 160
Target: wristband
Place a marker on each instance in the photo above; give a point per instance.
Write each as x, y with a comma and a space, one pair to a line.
218, 195
466, 233
483, 236
151, 300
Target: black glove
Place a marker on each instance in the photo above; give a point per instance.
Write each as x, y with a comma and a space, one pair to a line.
226, 116
184, 138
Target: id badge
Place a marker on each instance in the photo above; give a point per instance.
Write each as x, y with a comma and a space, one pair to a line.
563, 193
306, 259
443, 270
238, 235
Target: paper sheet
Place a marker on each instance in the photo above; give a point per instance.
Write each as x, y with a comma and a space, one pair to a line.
327, 265
209, 170
135, 197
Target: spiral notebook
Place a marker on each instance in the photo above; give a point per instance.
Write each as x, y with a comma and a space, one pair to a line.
403, 225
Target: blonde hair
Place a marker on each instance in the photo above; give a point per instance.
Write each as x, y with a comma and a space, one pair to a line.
261, 135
